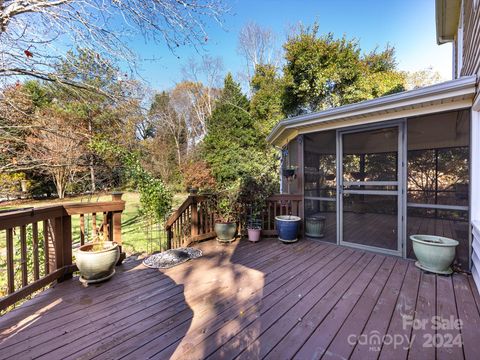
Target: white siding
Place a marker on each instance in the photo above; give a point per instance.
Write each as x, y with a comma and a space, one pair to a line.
475, 195
476, 253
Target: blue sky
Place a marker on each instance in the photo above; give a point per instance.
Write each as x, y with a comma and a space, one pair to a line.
409, 25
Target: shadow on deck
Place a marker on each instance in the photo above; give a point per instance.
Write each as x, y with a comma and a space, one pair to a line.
265, 300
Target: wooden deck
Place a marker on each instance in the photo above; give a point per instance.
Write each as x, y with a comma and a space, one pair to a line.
267, 300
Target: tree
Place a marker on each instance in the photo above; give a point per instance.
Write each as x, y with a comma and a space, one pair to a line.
16, 111
323, 72
421, 78
96, 116
257, 46
55, 148
202, 80
266, 102
169, 123
231, 146
33, 33
116, 116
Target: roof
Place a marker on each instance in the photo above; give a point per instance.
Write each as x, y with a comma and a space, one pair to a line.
447, 13
449, 95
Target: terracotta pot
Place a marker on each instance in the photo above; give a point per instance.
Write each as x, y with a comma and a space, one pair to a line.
254, 234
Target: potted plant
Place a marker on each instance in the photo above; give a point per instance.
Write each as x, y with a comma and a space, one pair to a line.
254, 192
315, 226
254, 229
288, 172
96, 260
227, 210
287, 228
434, 253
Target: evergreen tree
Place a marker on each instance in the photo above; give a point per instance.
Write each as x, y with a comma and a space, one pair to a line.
231, 146
266, 103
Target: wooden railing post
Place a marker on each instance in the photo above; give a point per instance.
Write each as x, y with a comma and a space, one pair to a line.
10, 262
169, 237
194, 228
66, 246
58, 243
52, 249
116, 226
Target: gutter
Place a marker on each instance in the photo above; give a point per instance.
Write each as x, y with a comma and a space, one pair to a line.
463, 83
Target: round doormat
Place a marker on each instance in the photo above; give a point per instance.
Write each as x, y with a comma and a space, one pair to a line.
172, 257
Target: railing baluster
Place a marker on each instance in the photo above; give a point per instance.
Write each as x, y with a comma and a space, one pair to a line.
94, 226
10, 262
46, 249
36, 266
23, 255
194, 218
274, 216
105, 226
82, 229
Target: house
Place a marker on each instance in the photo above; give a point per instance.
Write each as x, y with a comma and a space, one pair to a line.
372, 173
381, 170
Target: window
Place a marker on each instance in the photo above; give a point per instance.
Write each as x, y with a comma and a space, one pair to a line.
438, 178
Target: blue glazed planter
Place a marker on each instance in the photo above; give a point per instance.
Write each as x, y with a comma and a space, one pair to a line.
287, 227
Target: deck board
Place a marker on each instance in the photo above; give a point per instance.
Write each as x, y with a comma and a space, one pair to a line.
264, 300
425, 310
343, 342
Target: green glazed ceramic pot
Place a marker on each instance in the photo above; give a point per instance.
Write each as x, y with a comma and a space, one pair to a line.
225, 231
315, 226
97, 266
434, 253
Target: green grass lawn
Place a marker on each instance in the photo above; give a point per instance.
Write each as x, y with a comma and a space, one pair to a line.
137, 235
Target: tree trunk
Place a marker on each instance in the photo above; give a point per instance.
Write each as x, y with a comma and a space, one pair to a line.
92, 175
92, 169
60, 183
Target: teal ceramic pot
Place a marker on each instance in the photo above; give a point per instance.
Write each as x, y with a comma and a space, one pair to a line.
225, 231
287, 228
97, 266
434, 253
315, 226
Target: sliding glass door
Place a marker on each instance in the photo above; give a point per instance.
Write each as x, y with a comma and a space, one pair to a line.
369, 188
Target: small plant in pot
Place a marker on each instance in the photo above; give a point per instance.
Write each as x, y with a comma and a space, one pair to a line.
289, 172
254, 229
254, 192
96, 260
227, 210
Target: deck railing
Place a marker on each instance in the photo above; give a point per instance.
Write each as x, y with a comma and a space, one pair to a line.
43, 253
280, 204
194, 220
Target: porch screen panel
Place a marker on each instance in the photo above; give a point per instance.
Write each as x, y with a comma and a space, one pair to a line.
438, 179
320, 186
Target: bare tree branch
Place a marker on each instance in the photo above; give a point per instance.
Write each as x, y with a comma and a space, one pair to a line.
35, 33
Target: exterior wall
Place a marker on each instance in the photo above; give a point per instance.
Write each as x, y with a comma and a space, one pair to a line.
466, 61
470, 47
